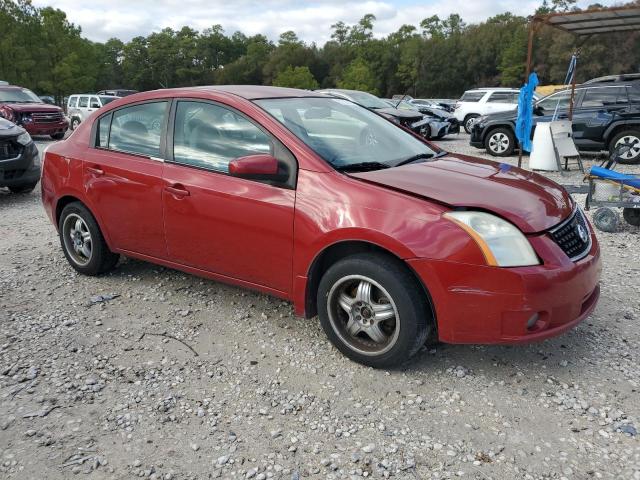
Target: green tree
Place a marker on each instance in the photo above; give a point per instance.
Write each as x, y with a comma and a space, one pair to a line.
358, 76
296, 77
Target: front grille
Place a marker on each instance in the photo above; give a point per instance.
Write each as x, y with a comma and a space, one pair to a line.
9, 149
45, 117
573, 236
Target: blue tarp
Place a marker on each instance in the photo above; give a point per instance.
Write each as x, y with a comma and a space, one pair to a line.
524, 121
607, 174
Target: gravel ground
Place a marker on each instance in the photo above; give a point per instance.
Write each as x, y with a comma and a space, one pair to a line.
149, 372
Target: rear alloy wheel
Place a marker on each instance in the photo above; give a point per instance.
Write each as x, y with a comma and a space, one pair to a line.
500, 142
373, 310
469, 121
82, 241
631, 139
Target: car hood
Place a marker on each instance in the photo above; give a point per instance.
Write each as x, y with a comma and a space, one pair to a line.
33, 107
9, 129
530, 201
396, 112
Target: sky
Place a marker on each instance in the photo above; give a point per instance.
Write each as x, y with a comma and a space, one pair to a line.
311, 20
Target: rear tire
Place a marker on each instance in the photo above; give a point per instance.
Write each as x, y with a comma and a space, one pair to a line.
632, 216
82, 241
631, 138
500, 142
27, 188
606, 219
373, 310
469, 120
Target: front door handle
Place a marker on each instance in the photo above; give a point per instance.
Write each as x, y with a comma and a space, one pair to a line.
177, 190
96, 171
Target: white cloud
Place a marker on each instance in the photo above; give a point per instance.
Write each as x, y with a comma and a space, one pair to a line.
125, 19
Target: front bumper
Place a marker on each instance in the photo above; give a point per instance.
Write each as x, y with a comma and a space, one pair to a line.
23, 170
477, 136
492, 305
37, 128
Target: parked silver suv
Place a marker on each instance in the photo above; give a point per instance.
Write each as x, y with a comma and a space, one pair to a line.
79, 107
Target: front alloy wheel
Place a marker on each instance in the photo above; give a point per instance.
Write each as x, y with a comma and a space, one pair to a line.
363, 314
373, 309
500, 142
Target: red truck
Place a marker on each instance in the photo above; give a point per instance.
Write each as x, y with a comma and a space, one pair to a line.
23, 107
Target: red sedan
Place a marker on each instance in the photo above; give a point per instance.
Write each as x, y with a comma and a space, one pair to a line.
390, 241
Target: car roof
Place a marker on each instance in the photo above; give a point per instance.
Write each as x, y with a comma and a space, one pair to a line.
256, 92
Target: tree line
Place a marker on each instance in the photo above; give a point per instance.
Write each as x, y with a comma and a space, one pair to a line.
439, 57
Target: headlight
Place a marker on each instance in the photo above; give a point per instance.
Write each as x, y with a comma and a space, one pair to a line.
501, 242
24, 139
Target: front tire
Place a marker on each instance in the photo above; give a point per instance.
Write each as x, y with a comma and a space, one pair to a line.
500, 142
373, 310
469, 120
82, 241
606, 219
75, 123
630, 138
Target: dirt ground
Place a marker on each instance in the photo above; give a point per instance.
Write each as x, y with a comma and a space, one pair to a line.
176, 377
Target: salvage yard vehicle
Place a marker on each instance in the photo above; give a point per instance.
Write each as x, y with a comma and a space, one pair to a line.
79, 107
23, 107
482, 101
19, 159
606, 116
411, 119
319, 201
436, 128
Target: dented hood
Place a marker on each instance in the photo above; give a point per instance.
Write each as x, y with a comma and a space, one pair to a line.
530, 201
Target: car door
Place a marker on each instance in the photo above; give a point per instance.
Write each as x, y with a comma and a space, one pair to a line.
123, 176
599, 107
235, 227
83, 105
94, 104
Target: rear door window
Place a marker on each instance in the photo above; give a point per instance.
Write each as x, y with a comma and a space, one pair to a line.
138, 129
605, 97
501, 97
83, 102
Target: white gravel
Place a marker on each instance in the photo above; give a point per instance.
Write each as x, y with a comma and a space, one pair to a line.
108, 388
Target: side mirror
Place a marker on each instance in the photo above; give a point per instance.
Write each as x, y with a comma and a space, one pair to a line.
95, 105
538, 110
258, 167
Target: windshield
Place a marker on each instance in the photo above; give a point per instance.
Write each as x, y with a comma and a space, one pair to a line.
345, 134
18, 95
366, 100
106, 100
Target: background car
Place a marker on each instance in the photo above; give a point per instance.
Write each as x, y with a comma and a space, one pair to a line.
483, 101
79, 107
409, 118
19, 159
319, 201
438, 127
606, 115
23, 107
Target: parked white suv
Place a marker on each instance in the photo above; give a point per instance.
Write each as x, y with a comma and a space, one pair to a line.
79, 107
482, 101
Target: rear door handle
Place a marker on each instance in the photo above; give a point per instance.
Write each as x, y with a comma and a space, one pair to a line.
177, 191
95, 170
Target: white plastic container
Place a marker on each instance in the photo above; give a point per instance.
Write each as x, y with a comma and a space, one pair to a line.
543, 156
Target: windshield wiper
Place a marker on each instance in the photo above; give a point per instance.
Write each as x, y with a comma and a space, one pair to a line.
361, 167
420, 156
